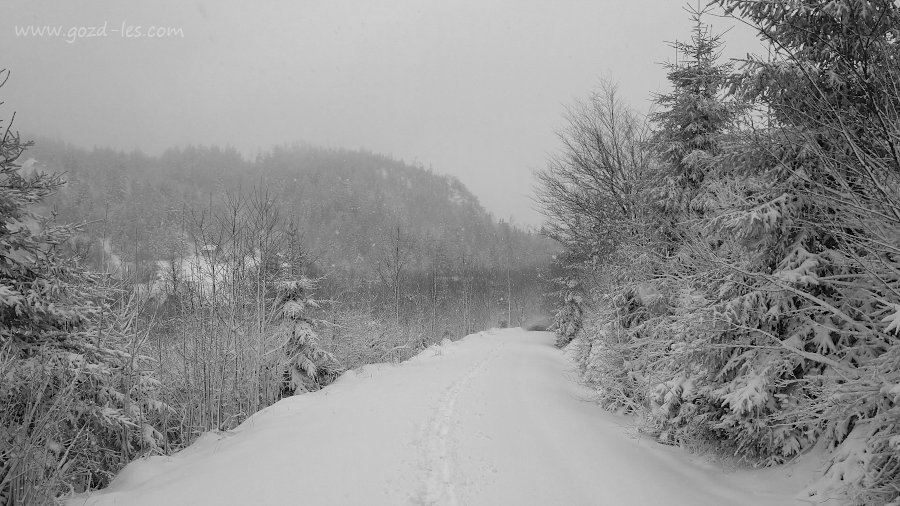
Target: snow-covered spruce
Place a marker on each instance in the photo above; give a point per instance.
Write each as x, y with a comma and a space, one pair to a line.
307, 365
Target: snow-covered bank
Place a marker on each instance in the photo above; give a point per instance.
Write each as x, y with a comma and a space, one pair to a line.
494, 419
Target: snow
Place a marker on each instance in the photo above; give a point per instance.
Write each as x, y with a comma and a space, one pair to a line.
893, 320
496, 418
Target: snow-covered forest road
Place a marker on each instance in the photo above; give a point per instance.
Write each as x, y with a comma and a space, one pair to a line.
497, 418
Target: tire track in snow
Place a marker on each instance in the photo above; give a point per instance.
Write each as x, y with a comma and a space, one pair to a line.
438, 488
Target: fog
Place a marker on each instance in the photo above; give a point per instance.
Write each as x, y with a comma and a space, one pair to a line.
470, 88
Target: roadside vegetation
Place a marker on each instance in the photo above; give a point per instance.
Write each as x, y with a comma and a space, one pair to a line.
733, 258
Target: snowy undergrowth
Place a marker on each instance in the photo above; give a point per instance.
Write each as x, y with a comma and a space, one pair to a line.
799, 477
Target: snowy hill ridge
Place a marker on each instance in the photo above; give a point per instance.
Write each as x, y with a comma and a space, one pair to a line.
494, 418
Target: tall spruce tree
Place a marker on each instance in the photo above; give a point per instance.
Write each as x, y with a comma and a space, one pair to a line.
691, 119
651, 308
692, 123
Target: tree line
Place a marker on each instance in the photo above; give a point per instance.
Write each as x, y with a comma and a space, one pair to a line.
731, 272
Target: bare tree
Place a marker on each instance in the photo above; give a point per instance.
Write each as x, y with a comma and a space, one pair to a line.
591, 191
396, 254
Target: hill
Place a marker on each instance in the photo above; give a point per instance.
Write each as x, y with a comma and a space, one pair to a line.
345, 202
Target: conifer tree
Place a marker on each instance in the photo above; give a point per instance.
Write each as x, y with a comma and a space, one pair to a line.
692, 117
828, 214
570, 299
690, 127
75, 406
308, 365
650, 309
760, 315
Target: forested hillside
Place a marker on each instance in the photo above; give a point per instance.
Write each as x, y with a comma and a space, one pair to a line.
345, 201
732, 273
356, 219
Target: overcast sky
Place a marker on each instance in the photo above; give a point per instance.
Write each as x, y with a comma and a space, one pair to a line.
473, 88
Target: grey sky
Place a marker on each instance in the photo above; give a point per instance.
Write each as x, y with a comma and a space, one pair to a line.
474, 88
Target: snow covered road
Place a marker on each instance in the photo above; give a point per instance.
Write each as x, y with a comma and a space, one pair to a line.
497, 418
